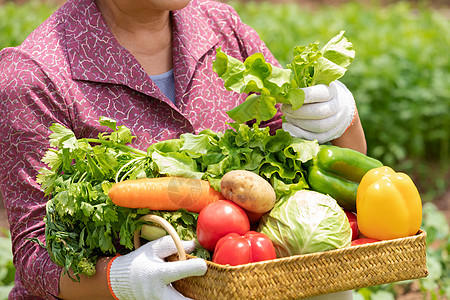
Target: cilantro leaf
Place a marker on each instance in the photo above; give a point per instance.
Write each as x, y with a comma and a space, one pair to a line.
62, 137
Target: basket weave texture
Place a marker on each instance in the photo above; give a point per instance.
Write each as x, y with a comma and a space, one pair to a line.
307, 275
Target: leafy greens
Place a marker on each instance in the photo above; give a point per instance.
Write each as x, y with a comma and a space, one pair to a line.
269, 85
83, 224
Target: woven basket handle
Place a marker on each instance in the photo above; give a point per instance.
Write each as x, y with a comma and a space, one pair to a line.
169, 228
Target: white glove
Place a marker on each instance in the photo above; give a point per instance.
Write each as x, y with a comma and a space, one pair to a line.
324, 116
143, 273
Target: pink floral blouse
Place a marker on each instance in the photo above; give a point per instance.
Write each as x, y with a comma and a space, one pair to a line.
72, 71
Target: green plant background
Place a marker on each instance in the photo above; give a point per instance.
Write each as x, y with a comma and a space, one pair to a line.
400, 79
400, 76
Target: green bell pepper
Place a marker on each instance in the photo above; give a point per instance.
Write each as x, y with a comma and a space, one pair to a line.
337, 172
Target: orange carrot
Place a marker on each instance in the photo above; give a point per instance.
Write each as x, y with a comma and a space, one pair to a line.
164, 193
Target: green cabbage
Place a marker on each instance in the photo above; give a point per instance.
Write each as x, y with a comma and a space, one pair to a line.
306, 222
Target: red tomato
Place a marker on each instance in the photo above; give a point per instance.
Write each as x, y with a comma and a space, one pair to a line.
234, 249
362, 241
218, 219
353, 224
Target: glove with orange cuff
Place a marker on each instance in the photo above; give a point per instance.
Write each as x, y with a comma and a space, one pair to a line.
143, 273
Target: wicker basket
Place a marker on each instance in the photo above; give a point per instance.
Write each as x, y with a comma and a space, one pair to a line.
307, 275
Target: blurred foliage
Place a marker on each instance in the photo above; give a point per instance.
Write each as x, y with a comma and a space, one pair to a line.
7, 269
400, 77
437, 283
18, 21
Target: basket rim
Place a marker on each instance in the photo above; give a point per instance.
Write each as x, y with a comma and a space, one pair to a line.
373, 264
419, 235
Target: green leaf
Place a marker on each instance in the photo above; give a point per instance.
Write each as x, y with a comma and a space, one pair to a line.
53, 159
218, 169
338, 51
122, 135
252, 160
296, 97
46, 178
87, 209
277, 142
95, 170
108, 122
283, 188
259, 107
302, 65
106, 159
176, 164
105, 240
211, 159
62, 137
302, 150
167, 146
230, 70
260, 75
250, 137
201, 143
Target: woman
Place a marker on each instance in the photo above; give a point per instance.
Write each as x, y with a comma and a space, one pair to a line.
148, 65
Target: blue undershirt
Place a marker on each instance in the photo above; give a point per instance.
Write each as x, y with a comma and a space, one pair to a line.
166, 84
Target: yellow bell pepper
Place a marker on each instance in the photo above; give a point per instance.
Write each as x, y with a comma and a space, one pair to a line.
388, 205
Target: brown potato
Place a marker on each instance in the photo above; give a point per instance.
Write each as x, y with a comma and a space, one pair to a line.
248, 190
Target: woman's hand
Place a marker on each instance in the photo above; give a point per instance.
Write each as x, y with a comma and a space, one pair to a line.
324, 116
143, 273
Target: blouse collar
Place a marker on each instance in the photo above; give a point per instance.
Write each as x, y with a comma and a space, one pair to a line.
95, 55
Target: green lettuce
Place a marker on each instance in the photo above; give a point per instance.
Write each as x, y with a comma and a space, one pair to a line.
268, 85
